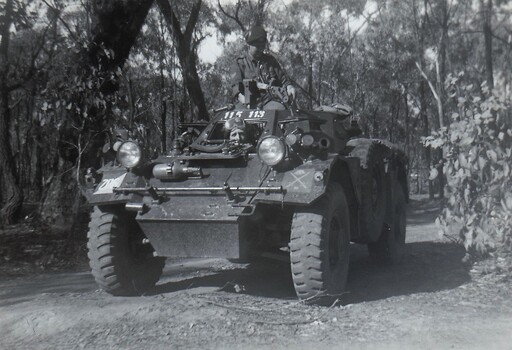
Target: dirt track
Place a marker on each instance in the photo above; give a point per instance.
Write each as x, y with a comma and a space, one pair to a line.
430, 301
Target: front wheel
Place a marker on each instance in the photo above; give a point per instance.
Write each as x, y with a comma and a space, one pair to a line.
391, 244
120, 263
320, 246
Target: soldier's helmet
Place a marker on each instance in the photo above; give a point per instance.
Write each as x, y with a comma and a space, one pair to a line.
256, 35
237, 122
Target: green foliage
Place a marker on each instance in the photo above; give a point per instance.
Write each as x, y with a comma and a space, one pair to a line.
371, 65
478, 159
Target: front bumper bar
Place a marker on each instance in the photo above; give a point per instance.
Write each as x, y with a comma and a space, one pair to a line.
155, 191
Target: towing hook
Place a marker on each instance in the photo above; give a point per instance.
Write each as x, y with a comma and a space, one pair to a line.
152, 192
229, 192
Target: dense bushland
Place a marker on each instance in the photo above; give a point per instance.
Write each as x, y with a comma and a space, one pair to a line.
435, 70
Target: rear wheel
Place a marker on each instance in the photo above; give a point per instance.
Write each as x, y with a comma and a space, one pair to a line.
391, 245
373, 194
120, 263
320, 246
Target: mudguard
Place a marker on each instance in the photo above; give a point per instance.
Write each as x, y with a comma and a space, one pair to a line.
389, 149
396, 159
308, 182
115, 177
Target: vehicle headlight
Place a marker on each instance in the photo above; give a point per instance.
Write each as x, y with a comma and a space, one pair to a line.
271, 150
307, 140
129, 154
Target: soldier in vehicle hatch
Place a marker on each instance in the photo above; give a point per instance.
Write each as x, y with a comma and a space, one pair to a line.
263, 69
241, 132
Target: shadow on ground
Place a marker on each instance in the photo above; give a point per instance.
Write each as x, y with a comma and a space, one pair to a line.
427, 267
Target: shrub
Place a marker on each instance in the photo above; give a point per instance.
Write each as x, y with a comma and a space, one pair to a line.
477, 162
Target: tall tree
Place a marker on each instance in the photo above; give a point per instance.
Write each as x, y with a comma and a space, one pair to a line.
116, 24
186, 49
486, 10
244, 13
11, 195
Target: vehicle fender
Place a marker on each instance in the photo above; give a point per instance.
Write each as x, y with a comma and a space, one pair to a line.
308, 182
345, 170
113, 177
302, 185
396, 161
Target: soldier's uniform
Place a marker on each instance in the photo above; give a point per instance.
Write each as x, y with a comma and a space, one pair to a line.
264, 69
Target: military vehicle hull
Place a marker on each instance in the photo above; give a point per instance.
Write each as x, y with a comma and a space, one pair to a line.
219, 198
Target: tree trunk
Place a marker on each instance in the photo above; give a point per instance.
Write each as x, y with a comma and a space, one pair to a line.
426, 132
486, 9
116, 25
163, 111
441, 71
11, 196
441, 76
407, 126
310, 81
320, 78
188, 62
423, 98
61, 199
395, 116
310, 56
186, 50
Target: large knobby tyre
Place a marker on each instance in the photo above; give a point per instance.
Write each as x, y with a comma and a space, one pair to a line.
373, 195
120, 263
320, 246
390, 247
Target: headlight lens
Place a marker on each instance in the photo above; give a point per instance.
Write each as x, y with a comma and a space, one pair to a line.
307, 140
271, 150
129, 154
291, 139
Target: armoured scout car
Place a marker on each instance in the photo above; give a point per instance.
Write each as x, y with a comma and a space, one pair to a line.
298, 182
